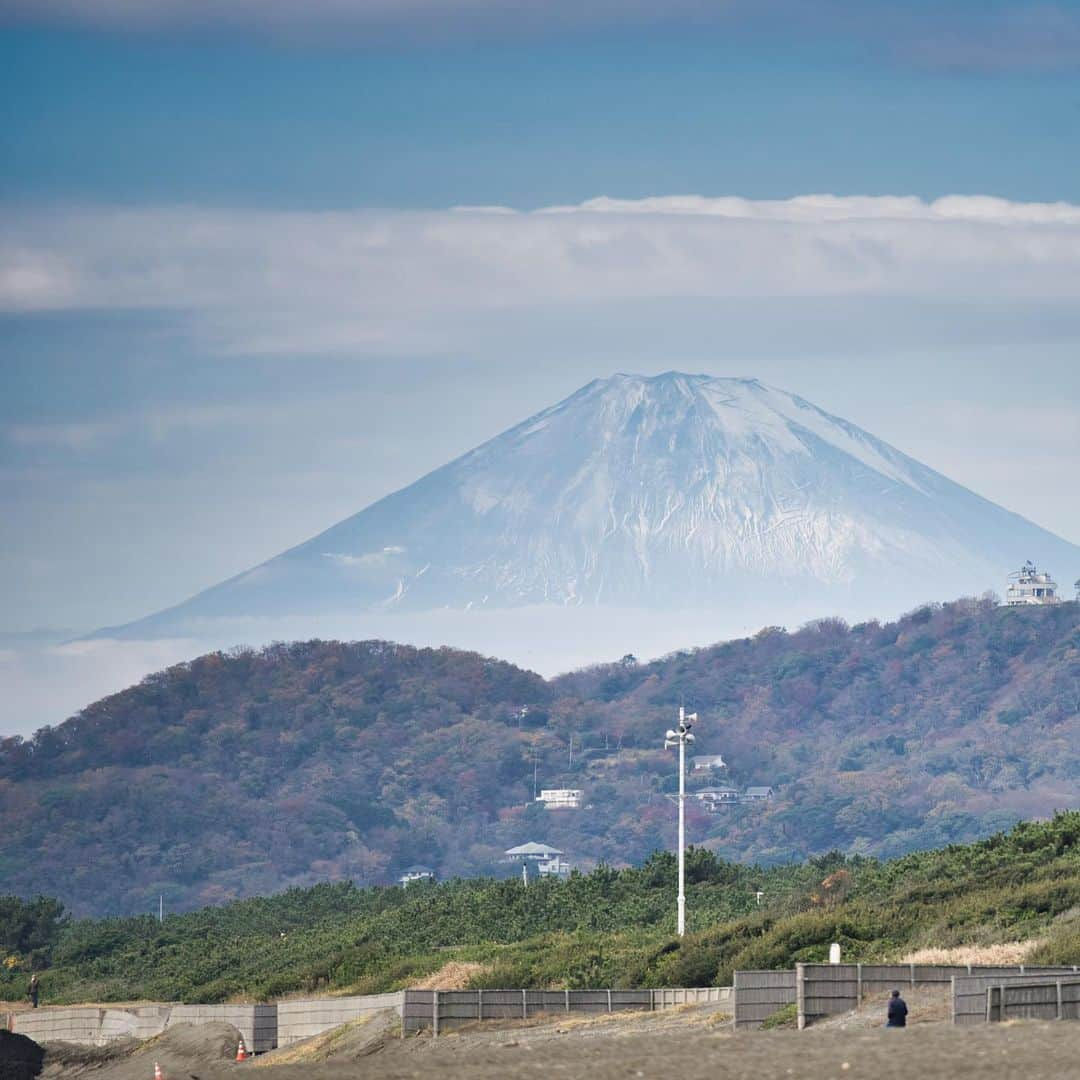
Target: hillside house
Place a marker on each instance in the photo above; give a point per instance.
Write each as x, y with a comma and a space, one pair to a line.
707, 762
549, 861
561, 798
1028, 585
416, 873
758, 794
713, 798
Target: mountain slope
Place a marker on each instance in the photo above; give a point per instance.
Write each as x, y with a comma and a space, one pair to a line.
670, 492
239, 774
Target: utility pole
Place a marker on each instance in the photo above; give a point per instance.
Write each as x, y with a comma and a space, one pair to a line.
160, 908
680, 738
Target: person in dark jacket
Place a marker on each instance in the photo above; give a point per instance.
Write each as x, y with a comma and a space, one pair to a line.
897, 1011
33, 991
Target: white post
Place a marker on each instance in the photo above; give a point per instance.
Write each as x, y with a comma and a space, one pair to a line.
525, 873
682, 823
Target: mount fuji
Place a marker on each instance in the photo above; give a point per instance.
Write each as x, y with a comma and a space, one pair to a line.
668, 493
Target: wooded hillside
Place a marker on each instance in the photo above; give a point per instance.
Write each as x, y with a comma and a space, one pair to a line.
244, 773
608, 928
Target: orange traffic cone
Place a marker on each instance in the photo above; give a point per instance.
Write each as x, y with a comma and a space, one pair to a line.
241, 1051
158, 1074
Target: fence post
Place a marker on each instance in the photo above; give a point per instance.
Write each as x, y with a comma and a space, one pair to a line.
858, 985
435, 1013
479, 1004
912, 976
609, 1001
567, 993
1060, 1014
524, 1005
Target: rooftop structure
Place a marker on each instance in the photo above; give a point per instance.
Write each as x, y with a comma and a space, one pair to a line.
1030, 586
754, 793
532, 851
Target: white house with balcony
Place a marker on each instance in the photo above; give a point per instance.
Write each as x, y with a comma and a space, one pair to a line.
561, 798
1029, 585
714, 798
708, 762
549, 861
416, 873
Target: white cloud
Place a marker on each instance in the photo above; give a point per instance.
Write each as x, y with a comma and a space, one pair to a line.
381, 281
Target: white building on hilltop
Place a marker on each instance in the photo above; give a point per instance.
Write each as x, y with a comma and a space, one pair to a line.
709, 761
561, 798
1028, 586
416, 873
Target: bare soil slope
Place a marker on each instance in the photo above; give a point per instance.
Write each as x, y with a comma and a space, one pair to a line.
695, 1044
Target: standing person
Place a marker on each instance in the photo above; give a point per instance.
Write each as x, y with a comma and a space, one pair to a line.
897, 1011
34, 990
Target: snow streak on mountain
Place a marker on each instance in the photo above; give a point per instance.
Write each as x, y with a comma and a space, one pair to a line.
671, 492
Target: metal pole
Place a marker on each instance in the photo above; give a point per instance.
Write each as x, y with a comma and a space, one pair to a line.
682, 822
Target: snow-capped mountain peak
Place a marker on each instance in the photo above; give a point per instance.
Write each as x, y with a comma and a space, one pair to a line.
666, 491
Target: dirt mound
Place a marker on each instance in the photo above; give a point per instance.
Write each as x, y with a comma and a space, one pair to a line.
454, 975
20, 1057
926, 1005
349, 1042
203, 1050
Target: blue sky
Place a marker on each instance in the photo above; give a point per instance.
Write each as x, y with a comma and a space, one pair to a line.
236, 304
232, 117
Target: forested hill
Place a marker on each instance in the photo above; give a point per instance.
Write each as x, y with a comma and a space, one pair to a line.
239, 774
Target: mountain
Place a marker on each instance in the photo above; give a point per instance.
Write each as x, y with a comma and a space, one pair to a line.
242, 773
664, 493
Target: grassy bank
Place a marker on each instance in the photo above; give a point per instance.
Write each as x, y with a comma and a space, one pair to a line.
607, 928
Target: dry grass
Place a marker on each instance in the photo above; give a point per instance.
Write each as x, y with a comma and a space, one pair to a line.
345, 1040
453, 975
1009, 952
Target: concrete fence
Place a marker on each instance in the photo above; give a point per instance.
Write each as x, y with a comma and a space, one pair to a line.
297, 1020
672, 997
969, 991
77, 1025
257, 1023
97, 1026
828, 989
1056, 999
443, 1010
759, 994
820, 990
266, 1027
